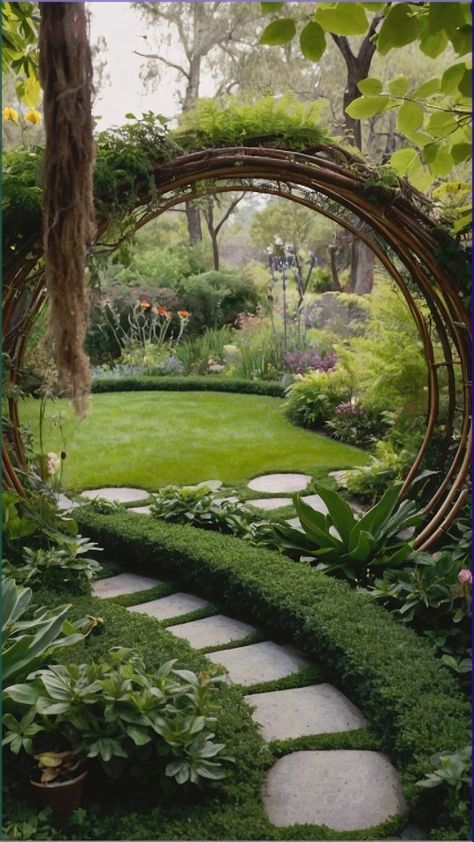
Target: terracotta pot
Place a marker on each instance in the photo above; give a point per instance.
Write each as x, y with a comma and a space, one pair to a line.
63, 798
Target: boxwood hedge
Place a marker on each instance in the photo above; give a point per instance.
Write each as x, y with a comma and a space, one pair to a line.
392, 674
187, 384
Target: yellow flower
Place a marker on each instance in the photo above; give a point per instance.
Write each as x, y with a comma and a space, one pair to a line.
33, 116
10, 114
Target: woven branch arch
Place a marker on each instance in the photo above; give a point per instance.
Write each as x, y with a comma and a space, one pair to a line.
398, 225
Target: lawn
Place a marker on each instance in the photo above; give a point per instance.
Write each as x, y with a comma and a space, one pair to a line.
151, 439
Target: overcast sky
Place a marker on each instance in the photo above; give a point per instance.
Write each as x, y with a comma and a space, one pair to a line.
122, 27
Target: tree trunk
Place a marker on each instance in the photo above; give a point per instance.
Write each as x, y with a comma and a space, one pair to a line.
362, 268
334, 273
194, 224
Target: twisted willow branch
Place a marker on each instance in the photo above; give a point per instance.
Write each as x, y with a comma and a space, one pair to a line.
397, 225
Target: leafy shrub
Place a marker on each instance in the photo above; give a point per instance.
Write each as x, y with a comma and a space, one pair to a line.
62, 567
299, 362
384, 467
216, 298
260, 350
35, 517
202, 354
27, 643
311, 400
356, 424
388, 671
151, 725
348, 546
321, 280
453, 772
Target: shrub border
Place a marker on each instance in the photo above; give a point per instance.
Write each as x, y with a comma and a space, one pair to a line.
387, 670
188, 384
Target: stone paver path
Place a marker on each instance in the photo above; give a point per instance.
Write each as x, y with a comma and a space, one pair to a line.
345, 790
141, 510
117, 495
212, 631
280, 483
259, 662
304, 711
269, 503
342, 789
167, 607
124, 583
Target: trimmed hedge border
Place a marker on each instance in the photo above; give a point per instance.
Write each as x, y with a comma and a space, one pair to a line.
386, 669
188, 384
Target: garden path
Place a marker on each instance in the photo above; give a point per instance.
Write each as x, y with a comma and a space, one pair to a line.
342, 789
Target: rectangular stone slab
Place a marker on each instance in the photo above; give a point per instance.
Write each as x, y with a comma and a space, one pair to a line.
122, 584
259, 662
170, 606
212, 631
304, 711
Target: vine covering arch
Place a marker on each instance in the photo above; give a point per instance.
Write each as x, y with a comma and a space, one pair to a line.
395, 221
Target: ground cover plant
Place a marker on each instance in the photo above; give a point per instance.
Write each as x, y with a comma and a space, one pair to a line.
164, 438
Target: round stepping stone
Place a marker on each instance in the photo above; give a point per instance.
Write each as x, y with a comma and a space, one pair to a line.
212, 631
304, 711
280, 483
170, 606
212, 484
344, 790
269, 504
259, 662
141, 510
124, 583
117, 495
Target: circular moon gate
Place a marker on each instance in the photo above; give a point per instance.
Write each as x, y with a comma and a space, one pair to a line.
395, 224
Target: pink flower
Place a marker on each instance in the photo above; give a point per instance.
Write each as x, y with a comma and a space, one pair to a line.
465, 577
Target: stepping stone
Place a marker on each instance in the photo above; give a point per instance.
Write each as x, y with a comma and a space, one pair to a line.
212, 484
141, 510
122, 584
259, 662
212, 631
117, 495
345, 790
280, 483
170, 606
269, 504
315, 501
304, 711
64, 503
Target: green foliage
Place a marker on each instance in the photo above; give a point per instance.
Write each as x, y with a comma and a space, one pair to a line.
228, 121
64, 566
346, 545
20, 24
27, 643
148, 725
217, 298
453, 772
358, 425
411, 699
385, 466
36, 517
312, 398
188, 384
260, 351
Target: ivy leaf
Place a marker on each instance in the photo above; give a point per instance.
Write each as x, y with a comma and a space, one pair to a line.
267, 8
278, 32
438, 158
402, 159
461, 152
367, 106
410, 117
398, 86
433, 45
441, 123
452, 77
313, 41
370, 86
342, 18
428, 88
399, 28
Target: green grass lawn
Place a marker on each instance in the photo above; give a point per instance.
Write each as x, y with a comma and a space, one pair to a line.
150, 439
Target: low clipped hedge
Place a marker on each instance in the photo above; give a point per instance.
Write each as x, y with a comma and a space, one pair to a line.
188, 384
386, 669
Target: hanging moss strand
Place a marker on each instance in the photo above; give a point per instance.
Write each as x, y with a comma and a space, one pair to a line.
68, 208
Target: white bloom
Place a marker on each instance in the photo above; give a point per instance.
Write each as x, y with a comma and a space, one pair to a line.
53, 463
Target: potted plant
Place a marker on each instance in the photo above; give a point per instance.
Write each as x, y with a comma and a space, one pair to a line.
61, 779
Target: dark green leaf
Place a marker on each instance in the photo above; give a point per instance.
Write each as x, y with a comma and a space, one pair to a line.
267, 8
312, 41
399, 27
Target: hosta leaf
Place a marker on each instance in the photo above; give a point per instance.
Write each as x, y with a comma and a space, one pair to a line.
364, 547
312, 41
278, 32
340, 512
375, 518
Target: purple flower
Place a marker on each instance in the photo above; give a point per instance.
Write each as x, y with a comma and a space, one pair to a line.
348, 409
299, 362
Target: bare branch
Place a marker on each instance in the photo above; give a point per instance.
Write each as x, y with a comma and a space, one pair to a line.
156, 57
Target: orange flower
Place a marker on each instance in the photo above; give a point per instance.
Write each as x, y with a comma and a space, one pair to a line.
155, 310
183, 314
144, 303
168, 315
